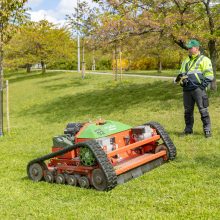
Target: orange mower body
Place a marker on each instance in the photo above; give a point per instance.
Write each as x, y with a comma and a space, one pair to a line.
103, 154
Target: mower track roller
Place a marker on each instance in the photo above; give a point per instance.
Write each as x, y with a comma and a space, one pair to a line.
165, 137
105, 164
100, 155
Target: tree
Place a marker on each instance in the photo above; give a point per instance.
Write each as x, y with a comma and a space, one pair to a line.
83, 21
40, 42
11, 14
178, 20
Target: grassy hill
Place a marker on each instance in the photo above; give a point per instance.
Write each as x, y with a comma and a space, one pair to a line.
42, 105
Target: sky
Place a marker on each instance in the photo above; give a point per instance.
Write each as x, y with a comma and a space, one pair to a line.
52, 10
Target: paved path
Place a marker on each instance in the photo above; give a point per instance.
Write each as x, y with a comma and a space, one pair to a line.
126, 75
133, 75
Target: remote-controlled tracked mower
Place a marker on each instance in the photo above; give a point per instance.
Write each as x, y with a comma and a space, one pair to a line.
103, 154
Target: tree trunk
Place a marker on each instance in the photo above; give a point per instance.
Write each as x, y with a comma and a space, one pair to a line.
43, 66
159, 65
28, 66
180, 60
120, 63
116, 64
1, 89
93, 61
212, 42
213, 57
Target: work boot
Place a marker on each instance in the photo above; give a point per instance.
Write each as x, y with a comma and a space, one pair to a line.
207, 134
186, 133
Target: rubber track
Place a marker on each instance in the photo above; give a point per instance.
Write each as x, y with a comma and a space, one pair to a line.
165, 137
98, 153
105, 164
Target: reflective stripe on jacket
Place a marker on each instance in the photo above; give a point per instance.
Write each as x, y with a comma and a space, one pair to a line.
199, 71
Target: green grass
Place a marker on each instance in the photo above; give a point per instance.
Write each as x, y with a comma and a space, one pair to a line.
41, 106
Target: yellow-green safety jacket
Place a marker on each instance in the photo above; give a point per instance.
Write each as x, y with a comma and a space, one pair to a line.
199, 70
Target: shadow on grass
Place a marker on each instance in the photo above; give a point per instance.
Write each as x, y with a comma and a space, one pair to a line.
71, 83
25, 178
152, 96
182, 135
212, 162
23, 76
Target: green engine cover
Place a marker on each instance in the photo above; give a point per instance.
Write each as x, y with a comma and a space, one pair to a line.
102, 130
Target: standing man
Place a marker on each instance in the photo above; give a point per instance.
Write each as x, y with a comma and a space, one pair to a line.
195, 75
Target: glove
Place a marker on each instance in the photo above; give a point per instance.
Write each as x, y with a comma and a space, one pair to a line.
204, 84
184, 81
178, 78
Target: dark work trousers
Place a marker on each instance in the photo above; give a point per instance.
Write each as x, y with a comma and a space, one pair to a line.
199, 97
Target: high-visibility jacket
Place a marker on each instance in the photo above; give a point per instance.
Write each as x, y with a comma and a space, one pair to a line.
199, 70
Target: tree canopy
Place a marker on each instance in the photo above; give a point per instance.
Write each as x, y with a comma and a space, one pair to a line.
12, 12
40, 42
